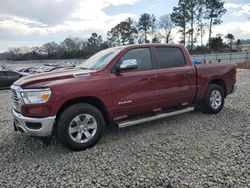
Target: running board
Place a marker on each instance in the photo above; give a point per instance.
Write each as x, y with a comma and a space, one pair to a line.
155, 117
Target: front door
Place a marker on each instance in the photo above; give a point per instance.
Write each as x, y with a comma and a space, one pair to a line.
135, 91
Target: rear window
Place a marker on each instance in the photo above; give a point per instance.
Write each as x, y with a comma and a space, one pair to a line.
168, 57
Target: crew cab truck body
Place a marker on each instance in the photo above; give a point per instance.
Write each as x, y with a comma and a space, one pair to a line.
123, 85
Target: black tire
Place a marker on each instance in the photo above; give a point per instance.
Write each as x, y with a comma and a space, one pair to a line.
66, 119
206, 105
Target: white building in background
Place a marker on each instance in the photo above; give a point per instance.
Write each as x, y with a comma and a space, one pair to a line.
243, 47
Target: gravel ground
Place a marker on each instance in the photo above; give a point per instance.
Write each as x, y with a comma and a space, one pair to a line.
189, 150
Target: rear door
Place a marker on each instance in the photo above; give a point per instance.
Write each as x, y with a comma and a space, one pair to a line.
135, 91
176, 79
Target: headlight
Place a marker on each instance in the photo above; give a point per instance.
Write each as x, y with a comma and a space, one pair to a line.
35, 96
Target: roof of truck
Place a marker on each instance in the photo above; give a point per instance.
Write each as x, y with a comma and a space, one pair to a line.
151, 44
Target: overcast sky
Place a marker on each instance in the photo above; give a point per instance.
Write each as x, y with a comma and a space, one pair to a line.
34, 22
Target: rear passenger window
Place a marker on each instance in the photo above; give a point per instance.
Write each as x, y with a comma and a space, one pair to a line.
2, 74
142, 56
167, 57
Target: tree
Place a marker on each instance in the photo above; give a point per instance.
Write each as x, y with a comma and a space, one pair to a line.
201, 24
230, 38
69, 48
216, 43
123, 33
145, 24
105, 45
114, 37
167, 25
180, 17
192, 7
238, 43
68, 44
214, 11
94, 44
95, 40
15, 53
50, 48
153, 29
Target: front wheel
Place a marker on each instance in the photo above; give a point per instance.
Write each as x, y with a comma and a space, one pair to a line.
214, 99
80, 126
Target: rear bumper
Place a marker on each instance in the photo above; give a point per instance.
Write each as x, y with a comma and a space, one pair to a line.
33, 126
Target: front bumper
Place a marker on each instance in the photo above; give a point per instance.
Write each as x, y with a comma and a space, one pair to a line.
24, 124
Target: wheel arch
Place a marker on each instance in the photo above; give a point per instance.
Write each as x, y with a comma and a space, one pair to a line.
88, 100
220, 82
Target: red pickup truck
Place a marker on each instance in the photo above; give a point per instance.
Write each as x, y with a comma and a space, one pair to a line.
123, 85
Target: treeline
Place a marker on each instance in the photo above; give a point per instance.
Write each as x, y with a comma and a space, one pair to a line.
68, 49
190, 18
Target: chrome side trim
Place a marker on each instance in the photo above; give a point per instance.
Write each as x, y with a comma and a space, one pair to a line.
46, 129
83, 74
159, 116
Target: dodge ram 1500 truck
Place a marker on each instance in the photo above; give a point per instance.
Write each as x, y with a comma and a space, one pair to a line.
123, 85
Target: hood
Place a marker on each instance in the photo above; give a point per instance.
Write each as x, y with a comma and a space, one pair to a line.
52, 76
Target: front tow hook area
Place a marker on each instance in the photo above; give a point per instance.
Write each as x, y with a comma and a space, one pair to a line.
38, 127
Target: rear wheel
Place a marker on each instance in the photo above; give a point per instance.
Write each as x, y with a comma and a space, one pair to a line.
80, 126
214, 99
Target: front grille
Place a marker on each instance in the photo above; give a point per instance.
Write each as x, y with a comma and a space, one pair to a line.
16, 100
15, 96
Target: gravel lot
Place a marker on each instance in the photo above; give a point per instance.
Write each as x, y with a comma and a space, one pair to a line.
189, 150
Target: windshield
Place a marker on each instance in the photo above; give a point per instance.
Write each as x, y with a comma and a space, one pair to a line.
100, 59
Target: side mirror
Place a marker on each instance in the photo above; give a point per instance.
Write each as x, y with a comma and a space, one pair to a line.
129, 64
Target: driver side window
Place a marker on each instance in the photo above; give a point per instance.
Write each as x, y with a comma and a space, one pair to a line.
142, 56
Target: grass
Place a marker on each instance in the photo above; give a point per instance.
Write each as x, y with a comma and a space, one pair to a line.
245, 65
